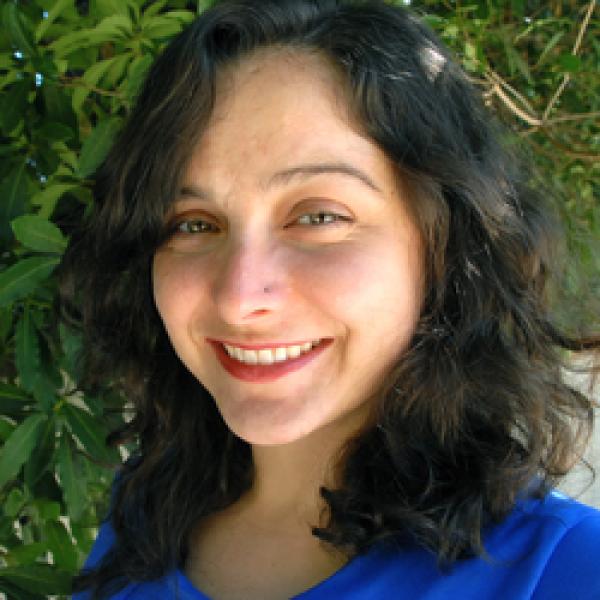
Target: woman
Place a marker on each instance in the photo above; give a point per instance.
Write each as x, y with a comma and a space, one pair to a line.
324, 285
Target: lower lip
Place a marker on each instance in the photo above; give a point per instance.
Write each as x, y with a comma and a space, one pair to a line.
266, 373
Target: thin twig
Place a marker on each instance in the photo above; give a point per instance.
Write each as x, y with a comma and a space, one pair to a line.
573, 117
567, 76
491, 73
583, 27
525, 116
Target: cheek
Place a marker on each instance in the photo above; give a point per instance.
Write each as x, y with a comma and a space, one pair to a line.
177, 287
367, 281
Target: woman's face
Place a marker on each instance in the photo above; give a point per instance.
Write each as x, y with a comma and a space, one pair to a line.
290, 228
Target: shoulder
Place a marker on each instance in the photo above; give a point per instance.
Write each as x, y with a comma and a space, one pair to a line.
549, 548
545, 549
568, 534
557, 506
555, 522
547, 520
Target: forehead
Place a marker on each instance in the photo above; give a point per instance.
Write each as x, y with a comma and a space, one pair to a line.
284, 67
278, 108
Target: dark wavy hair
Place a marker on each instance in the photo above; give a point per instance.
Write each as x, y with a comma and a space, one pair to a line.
475, 412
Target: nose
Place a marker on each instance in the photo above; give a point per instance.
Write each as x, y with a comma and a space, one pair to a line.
251, 283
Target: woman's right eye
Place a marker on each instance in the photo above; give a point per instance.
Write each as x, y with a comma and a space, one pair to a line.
192, 226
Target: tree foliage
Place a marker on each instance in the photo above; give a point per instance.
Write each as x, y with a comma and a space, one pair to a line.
69, 73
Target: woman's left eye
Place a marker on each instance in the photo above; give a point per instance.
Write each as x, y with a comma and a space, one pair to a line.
321, 218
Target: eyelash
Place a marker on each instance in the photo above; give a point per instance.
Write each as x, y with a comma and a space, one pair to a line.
336, 220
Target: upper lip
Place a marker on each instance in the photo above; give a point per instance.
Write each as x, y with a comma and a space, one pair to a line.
263, 345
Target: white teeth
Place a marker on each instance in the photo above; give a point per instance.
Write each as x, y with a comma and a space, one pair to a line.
249, 356
265, 357
268, 356
280, 354
294, 351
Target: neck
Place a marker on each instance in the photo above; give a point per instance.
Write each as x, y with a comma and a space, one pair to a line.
288, 477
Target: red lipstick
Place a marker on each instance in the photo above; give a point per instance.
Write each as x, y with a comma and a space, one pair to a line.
265, 373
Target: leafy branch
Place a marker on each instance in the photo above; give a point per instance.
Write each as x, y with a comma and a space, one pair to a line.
574, 52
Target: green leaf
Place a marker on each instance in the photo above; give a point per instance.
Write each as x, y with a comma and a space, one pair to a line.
515, 60
70, 158
39, 234
84, 535
450, 31
9, 79
91, 77
96, 146
27, 351
70, 43
72, 485
106, 8
7, 531
13, 105
113, 28
160, 27
518, 7
46, 158
6, 60
12, 392
13, 21
44, 391
57, 7
40, 579
89, 431
6, 324
137, 72
12, 591
13, 400
19, 446
14, 503
58, 106
13, 192
6, 428
47, 510
47, 198
117, 70
71, 345
570, 63
153, 8
202, 5
470, 50
24, 554
42, 456
549, 47
23, 277
52, 131
60, 544
183, 16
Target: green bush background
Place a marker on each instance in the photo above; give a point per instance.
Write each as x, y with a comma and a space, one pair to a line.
69, 73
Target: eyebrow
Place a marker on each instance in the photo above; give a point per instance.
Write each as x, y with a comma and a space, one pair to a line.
301, 172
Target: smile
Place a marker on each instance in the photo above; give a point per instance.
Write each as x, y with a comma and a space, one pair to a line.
268, 356
267, 364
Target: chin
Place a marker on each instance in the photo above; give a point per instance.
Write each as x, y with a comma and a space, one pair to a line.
270, 437
265, 432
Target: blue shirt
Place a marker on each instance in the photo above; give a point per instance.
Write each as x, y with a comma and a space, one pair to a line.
544, 550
